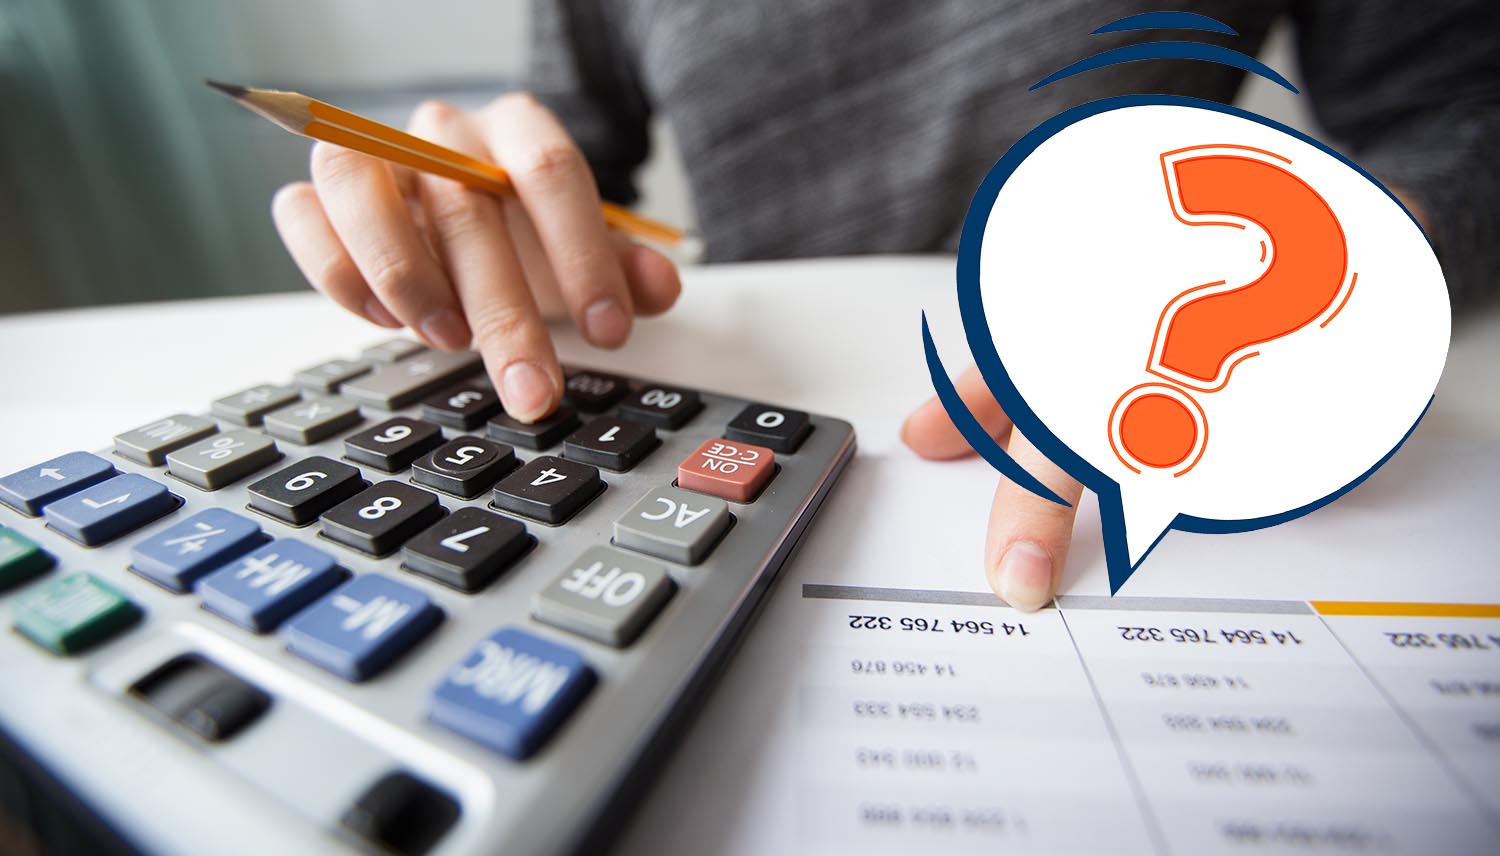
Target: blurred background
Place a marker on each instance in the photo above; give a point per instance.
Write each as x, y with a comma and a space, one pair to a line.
123, 178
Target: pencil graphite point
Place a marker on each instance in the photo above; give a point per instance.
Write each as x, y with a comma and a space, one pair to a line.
232, 90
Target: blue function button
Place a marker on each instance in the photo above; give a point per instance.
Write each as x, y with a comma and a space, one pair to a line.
362, 626
180, 555
260, 590
28, 490
511, 692
110, 508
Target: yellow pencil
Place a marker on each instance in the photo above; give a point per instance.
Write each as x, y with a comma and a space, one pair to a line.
310, 117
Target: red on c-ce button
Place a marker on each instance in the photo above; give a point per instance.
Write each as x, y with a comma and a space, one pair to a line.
732, 471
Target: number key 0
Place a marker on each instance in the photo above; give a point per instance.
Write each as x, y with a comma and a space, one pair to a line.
302, 491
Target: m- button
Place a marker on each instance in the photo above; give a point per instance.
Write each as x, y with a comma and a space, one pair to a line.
733, 471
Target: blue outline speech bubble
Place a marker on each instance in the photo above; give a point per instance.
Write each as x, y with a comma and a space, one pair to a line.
992, 369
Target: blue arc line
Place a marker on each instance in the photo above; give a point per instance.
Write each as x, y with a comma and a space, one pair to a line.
1168, 50
1167, 21
979, 439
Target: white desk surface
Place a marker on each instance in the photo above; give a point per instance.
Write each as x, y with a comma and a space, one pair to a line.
840, 336
837, 336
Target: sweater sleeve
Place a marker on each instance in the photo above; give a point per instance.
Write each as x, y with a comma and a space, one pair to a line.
580, 71
1412, 92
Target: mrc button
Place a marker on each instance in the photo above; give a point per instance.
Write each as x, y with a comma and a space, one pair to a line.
512, 691
733, 471
775, 428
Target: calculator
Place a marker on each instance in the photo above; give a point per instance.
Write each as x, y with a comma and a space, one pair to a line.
373, 605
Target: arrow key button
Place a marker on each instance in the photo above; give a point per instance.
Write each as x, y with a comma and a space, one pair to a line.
28, 490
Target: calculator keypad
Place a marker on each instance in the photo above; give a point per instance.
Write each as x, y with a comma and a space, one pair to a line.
445, 511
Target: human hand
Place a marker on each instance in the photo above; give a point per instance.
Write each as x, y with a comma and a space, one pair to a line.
1028, 537
459, 266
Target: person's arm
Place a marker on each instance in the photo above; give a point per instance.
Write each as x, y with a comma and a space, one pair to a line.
461, 267
580, 69
1411, 91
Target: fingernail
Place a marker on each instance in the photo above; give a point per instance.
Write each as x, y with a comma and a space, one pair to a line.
1025, 576
446, 329
527, 391
376, 311
606, 322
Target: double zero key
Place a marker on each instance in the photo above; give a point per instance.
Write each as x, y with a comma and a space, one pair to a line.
382, 517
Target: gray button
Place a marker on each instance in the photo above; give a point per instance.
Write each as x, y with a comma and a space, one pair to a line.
329, 376
391, 351
312, 419
149, 444
249, 406
605, 595
228, 457
674, 524
400, 384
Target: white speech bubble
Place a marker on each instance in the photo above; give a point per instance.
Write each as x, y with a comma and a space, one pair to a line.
1081, 253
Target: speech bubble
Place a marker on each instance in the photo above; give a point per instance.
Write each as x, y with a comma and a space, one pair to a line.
1211, 320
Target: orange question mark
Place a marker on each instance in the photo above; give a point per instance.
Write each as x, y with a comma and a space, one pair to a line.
1207, 330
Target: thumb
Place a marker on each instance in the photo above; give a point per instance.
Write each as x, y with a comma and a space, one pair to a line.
1028, 536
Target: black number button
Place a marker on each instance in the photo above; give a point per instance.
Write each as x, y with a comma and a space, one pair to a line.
541, 434
468, 548
776, 428
464, 406
615, 444
548, 489
381, 517
306, 489
464, 466
663, 406
393, 444
593, 392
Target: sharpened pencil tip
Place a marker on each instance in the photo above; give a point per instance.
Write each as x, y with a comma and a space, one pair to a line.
232, 90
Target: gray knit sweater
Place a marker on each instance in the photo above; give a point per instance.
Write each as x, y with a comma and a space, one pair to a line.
827, 127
